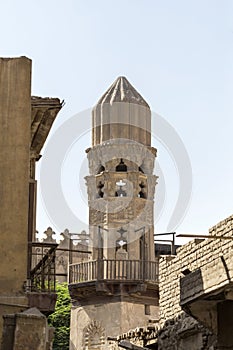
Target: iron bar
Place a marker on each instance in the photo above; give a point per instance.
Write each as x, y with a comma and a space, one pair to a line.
205, 236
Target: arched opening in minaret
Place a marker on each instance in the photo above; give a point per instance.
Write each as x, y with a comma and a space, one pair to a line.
100, 191
121, 166
100, 169
120, 193
142, 192
140, 169
121, 244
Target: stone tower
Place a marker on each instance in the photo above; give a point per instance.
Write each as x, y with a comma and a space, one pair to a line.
117, 289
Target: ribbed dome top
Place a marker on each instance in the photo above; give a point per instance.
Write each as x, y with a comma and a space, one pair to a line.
122, 91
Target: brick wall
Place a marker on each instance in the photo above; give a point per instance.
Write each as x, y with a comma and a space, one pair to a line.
210, 256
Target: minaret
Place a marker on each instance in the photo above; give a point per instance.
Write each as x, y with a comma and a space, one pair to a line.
117, 289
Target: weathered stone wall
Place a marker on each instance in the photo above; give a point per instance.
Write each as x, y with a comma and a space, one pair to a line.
27, 331
205, 255
93, 324
184, 333
209, 263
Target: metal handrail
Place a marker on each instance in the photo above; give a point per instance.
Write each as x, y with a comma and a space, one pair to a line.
43, 274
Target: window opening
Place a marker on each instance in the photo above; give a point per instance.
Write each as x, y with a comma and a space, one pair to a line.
101, 169
142, 193
140, 169
121, 243
121, 166
120, 192
100, 192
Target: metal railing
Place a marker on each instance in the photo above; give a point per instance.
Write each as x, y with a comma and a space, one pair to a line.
113, 270
43, 273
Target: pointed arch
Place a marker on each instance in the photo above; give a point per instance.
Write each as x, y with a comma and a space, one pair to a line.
122, 167
100, 169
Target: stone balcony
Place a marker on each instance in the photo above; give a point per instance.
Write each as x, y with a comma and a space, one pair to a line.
112, 277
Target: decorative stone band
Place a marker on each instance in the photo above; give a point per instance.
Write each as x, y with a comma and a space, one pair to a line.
132, 151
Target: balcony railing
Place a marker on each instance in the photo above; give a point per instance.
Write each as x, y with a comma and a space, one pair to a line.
42, 274
113, 270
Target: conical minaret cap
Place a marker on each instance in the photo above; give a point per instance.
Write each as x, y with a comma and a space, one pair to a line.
121, 113
122, 91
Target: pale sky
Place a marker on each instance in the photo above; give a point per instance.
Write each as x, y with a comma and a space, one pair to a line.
178, 55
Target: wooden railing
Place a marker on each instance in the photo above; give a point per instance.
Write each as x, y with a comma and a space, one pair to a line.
113, 270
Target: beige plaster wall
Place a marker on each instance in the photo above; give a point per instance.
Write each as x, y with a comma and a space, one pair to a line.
15, 121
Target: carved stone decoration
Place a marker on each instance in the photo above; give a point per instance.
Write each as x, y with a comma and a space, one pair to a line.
91, 187
108, 154
49, 233
62, 262
94, 336
151, 183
